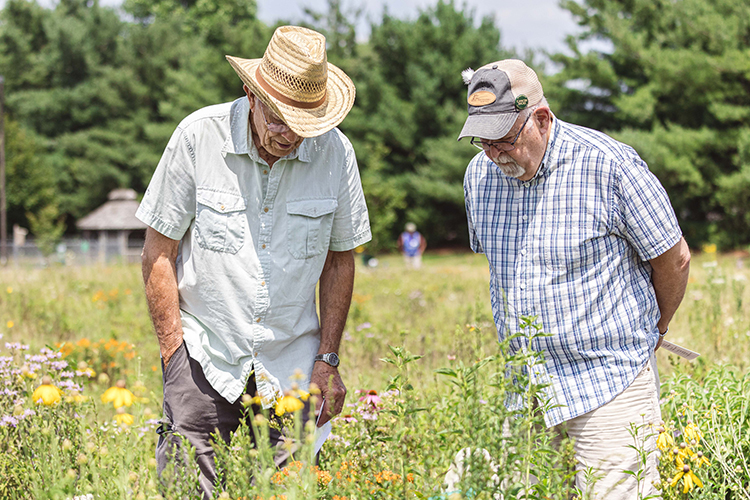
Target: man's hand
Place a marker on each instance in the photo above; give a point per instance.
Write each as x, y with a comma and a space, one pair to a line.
332, 390
166, 354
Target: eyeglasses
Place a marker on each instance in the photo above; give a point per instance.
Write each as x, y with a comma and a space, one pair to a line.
275, 127
501, 145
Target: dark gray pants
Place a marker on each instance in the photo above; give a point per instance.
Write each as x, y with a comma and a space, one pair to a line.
194, 410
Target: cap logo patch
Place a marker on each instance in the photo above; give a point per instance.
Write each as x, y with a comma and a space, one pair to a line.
482, 98
521, 102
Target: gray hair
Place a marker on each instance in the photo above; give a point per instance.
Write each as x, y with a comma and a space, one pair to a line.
528, 111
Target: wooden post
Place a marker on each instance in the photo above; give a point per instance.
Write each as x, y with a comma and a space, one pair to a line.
103, 246
3, 204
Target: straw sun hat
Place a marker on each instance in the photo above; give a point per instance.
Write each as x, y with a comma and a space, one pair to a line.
295, 81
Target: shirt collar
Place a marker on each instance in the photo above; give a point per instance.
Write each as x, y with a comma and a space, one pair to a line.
548, 163
238, 142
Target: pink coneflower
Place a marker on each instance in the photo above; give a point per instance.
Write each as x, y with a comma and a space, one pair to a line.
371, 398
348, 418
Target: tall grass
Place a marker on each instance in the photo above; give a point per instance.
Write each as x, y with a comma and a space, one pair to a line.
440, 391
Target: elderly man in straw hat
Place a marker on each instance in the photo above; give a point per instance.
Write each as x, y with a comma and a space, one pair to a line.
579, 233
253, 203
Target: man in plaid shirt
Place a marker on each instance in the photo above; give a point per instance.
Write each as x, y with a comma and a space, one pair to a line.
579, 233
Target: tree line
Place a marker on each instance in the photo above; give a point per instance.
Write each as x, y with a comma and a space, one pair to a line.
93, 95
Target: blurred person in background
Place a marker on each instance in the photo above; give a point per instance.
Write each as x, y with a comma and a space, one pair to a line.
254, 203
580, 234
412, 245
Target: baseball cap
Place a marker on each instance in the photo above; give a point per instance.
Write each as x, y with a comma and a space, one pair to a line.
497, 93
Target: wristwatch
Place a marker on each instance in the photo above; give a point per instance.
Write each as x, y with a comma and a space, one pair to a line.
330, 357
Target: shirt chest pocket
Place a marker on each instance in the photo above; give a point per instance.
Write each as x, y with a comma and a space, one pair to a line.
309, 229
571, 246
220, 220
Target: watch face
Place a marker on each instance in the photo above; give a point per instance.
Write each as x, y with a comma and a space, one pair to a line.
333, 359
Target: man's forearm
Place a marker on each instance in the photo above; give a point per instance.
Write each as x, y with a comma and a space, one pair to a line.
669, 277
160, 280
336, 285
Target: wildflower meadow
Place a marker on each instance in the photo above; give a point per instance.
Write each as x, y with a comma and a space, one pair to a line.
80, 395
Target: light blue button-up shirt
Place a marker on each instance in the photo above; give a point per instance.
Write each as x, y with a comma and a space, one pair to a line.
571, 246
253, 242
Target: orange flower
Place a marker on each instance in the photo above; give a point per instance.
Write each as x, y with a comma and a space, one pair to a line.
66, 349
84, 343
324, 477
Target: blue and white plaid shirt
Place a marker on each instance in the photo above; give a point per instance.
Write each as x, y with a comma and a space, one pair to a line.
571, 246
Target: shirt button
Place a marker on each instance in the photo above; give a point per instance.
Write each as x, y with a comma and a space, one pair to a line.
521, 286
265, 209
265, 171
263, 245
525, 185
523, 252
222, 207
525, 217
257, 320
262, 283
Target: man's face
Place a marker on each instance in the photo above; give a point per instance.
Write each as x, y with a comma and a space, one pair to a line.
522, 159
272, 133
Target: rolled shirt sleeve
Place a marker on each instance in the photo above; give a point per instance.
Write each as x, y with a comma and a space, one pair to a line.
351, 222
169, 203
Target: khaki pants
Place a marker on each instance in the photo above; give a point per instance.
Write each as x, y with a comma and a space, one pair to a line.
601, 439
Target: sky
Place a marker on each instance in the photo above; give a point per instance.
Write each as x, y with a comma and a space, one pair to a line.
538, 24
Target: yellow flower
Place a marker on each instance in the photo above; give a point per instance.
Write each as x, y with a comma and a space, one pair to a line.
9, 324
689, 479
46, 393
118, 395
123, 418
9, 289
692, 432
288, 404
84, 370
665, 441
709, 248
75, 397
26, 372
701, 459
684, 451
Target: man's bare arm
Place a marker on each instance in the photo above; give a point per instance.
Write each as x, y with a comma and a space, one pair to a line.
336, 284
670, 276
160, 280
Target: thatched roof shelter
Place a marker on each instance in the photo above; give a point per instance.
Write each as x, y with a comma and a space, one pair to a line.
117, 214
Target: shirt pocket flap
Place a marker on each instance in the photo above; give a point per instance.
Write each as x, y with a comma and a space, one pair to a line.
221, 202
311, 208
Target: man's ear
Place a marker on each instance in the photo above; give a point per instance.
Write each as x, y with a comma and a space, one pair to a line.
543, 119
